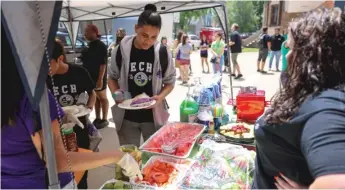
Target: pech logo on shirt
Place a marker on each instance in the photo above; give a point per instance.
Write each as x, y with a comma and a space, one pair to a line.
66, 99
144, 75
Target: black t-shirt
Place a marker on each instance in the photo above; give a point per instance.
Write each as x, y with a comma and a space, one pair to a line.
93, 57
277, 41
140, 81
237, 47
203, 44
69, 86
264, 38
310, 145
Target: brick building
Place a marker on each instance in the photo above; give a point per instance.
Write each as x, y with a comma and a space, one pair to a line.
278, 14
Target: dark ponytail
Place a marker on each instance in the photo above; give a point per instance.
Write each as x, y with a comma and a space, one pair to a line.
150, 17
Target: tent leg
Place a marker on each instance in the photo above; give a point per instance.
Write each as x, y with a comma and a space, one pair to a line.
226, 34
48, 139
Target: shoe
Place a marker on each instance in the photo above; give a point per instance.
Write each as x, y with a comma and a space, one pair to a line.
184, 83
103, 123
179, 78
203, 72
269, 69
277, 70
239, 76
258, 70
190, 74
96, 121
263, 72
233, 75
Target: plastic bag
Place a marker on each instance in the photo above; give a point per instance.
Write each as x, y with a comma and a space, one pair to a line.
94, 136
221, 165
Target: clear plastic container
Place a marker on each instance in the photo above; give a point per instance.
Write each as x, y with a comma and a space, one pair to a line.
221, 166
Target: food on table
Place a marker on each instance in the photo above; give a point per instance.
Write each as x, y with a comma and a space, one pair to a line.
158, 173
117, 185
230, 167
142, 100
174, 139
133, 150
238, 131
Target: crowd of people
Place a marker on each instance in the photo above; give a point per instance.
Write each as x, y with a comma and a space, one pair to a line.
300, 139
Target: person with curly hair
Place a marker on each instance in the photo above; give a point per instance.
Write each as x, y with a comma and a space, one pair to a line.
300, 140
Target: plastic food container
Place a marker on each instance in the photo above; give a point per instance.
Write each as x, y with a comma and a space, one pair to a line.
220, 166
175, 177
174, 140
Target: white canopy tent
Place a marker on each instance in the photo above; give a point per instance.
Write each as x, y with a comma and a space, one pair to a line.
31, 26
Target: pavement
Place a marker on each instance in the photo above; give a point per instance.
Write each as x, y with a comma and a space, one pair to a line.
268, 82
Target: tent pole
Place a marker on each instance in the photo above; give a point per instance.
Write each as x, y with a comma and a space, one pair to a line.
226, 34
106, 32
70, 21
48, 139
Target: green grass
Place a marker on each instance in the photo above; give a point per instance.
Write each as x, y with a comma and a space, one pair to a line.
250, 50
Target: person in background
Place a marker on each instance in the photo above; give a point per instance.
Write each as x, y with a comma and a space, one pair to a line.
226, 59
140, 72
70, 82
276, 44
204, 54
217, 48
264, 48
185, 50
95, 61
120, 34
23, 161
164, 41
285, 50
300, 139
177, 53
236, 48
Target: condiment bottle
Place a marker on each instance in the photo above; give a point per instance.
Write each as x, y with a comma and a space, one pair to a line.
71, 139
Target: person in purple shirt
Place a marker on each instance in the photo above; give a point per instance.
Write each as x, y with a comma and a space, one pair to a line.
22, 158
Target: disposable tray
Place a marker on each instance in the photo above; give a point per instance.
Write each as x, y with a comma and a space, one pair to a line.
132, 186
142, 147
181, 165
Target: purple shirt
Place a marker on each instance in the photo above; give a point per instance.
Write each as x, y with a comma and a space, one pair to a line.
21, 166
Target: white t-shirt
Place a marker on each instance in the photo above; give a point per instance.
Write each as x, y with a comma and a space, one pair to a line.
185, 50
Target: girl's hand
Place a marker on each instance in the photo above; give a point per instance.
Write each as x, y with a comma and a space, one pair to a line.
282, 182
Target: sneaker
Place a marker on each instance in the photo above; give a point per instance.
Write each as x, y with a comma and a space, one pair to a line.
103, 123
239, 76
96, 121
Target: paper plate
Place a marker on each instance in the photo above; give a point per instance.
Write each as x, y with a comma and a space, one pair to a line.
78, 111
127, 105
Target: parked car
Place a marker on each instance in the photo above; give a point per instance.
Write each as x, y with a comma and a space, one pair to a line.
107, 39
66, 41
194, 41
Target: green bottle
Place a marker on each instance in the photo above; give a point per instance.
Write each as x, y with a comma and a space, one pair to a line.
188, 109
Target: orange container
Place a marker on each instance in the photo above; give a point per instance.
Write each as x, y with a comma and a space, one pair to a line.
250, 106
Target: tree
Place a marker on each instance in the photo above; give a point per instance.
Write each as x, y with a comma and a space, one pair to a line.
242, 13
259, 11
187, 16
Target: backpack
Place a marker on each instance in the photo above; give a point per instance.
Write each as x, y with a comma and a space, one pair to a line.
262, 41
163, 58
